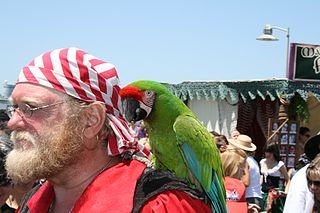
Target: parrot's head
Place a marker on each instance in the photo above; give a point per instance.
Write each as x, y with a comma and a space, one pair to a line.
138, 99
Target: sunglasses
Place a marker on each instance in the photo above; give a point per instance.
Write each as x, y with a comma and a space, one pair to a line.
311, 182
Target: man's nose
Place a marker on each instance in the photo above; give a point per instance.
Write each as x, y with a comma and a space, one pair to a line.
15, 121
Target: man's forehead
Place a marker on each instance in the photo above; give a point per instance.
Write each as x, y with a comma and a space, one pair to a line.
27, 91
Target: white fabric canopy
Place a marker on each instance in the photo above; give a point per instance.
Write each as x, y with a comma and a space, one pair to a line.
219, 115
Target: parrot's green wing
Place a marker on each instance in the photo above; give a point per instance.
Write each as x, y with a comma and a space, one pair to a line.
202, 158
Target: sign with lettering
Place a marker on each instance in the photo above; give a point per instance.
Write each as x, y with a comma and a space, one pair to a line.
304, 64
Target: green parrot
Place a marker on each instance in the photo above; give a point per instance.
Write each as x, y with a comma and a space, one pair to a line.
179, 141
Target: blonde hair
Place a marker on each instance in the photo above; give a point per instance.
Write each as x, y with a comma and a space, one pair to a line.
313, 170
232, 161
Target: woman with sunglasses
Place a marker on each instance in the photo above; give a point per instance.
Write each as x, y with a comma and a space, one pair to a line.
313, 180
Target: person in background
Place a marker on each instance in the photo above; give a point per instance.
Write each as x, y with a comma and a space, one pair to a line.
5, 182
17, 191
244, 139
304, 135
220, 140
272, 168
234, 134
299, 198
313, 181
4, 130
246, 175
142, 131
253, 190
233, 162
303, 160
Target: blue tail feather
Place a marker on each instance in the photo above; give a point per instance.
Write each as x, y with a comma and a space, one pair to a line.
215, 191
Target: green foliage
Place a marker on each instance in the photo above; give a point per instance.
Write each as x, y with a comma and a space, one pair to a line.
299, 108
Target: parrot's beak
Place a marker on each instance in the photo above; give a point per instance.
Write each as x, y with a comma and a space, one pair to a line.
132, 110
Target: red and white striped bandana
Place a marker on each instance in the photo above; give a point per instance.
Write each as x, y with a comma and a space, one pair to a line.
83, 76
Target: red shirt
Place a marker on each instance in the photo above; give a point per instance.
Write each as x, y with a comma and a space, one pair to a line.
175, 201
236, 199
113, 191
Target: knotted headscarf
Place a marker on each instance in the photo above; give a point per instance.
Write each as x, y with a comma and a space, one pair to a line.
85, 77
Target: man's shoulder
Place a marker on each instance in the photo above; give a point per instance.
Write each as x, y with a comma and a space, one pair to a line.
126, 167
111, 186
299, 198
301, 173
175, 201
161, 188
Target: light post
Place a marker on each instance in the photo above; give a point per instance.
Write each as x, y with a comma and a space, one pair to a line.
267, 36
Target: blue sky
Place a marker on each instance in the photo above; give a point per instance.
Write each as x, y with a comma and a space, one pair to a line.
167, 41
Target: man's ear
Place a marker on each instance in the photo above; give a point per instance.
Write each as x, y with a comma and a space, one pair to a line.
95, 115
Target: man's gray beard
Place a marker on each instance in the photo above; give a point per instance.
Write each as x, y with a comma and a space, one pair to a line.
46, 155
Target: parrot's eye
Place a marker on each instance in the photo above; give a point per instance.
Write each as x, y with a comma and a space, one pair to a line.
149, 93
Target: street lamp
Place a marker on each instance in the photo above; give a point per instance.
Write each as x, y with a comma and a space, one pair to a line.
267, 36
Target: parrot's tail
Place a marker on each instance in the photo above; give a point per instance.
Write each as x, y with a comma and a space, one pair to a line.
215, 191
216, 196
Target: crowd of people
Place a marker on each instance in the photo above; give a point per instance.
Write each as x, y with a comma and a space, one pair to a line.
268, 186
70, 150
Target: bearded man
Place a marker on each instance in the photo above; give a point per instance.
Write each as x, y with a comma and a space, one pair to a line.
68, 129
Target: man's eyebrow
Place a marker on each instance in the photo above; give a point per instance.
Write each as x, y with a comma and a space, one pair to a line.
26, 100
